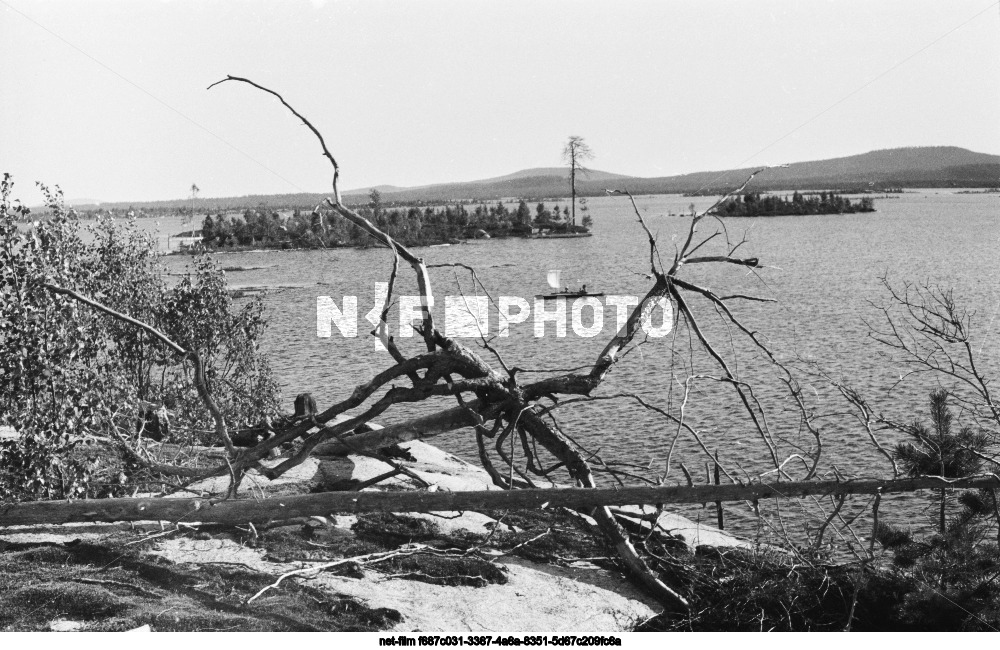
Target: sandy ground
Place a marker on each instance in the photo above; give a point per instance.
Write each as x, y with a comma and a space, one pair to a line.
577, 597
537, 597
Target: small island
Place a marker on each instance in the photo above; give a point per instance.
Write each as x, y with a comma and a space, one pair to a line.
754, 204
988, 190
411, 226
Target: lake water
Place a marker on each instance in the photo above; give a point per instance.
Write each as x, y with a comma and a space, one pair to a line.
822, 270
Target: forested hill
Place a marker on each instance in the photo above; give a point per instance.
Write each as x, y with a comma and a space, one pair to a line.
886, 168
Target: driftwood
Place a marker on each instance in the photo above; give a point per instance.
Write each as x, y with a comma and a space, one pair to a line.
322, 504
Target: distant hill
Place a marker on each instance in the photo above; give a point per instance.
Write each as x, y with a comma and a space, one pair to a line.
550, 174
558, 172
380, 188
885, 168
904, 167
539, 182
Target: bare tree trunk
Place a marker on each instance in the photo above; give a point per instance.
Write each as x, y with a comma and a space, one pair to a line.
415, 429
242, 511
572, 188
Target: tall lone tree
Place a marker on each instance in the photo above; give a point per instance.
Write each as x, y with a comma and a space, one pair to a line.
574, 153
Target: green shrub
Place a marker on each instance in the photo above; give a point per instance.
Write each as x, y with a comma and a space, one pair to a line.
69, 373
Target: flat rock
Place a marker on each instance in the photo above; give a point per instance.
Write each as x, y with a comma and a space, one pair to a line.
209, 551
537, 598
66, 626
440, 469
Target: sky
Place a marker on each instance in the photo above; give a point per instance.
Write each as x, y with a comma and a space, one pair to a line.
108, 98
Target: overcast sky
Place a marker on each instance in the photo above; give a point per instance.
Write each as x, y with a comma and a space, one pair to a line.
108, 98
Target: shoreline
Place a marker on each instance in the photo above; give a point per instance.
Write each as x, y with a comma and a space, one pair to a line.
199, 248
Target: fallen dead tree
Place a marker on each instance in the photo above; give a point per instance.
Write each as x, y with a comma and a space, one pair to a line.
497, 403
514, 418
322, 504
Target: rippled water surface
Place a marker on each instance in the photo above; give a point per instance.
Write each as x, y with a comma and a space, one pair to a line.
822, 270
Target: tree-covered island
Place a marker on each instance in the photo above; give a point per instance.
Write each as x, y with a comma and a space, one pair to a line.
755, 204
412, 226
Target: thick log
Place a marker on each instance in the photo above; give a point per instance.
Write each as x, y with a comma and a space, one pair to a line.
276, 509
416, 429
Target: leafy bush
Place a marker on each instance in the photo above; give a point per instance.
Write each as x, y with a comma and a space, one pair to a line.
200, 314
69, 373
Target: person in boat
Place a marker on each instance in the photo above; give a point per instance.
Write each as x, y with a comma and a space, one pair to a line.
565, 289
583, 290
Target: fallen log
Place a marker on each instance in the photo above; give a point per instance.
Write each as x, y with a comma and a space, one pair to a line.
415, 429
276, 509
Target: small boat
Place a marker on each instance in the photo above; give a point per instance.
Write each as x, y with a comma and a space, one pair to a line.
553, 279
553, 296
238, 269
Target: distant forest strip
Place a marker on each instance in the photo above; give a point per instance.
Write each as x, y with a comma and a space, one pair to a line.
754, 204
412, 226
550, 187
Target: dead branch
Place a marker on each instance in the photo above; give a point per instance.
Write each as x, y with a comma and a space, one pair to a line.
423, 277
326, 152
841, 499
370, 558
930, 333
119, 583
419, 428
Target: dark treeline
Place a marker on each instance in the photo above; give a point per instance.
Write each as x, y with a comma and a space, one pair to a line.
754, 204
414, 226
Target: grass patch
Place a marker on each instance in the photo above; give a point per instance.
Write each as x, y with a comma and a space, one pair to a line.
380, 532
310, 544
111, 587
390, 530
51, 600
568, 538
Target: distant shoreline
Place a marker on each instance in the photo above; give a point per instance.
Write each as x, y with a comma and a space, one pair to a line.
198, 248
